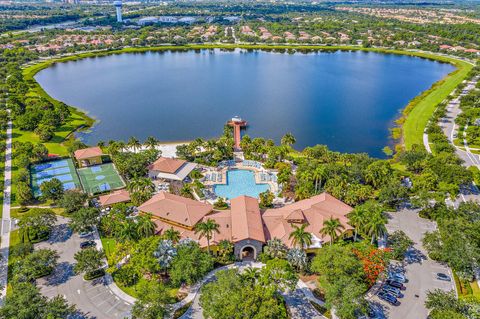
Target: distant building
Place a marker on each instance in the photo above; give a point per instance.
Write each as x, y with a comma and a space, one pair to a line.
118, 9
147, 21
187, 20
167, 19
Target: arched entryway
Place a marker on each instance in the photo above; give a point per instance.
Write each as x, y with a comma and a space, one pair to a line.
248, 253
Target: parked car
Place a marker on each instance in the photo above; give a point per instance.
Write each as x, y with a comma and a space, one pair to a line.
392, 290
388, 298
87, 244
442, 276
86, 234
395, 284
397, 277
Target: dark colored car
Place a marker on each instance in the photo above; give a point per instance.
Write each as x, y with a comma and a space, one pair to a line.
87, 244
441, 276
396, 294
395, 284
388, 298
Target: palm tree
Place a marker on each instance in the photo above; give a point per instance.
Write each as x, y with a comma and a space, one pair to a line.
151, 142
318, 174
142, 185
357, 219
375, 226
288, 139
300, 237
331, 227
250, 275
172, 234
134, 143
206, 229
128, 231
145, 226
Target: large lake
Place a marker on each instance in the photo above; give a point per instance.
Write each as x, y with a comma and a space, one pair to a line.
346, 100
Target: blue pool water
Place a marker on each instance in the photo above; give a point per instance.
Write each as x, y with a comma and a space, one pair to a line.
240, 182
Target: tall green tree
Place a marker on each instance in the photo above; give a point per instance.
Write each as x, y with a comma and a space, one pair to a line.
134, 143
88, 260
207, 229
145, 226
85, 219
332, 227
300, 237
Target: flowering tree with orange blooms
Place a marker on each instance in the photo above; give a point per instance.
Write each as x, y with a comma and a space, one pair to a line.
374, 262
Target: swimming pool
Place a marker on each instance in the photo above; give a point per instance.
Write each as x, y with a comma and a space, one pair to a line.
240, 182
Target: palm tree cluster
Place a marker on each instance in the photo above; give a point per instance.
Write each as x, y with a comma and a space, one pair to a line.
368, 220
141, 189
124, 229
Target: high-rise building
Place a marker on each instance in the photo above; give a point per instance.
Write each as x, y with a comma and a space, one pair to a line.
118, 9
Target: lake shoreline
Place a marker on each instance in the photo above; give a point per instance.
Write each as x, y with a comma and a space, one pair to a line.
406, 137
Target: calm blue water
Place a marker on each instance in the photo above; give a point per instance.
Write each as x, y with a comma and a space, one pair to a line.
347, 100
240, 182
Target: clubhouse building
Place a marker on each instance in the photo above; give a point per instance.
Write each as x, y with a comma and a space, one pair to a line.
244, 223
170, 169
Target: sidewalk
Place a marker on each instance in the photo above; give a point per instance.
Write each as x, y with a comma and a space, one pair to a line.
5, 229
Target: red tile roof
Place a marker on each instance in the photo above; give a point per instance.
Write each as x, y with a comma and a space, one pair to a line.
166, 165
87, 153
120, 196
178, 209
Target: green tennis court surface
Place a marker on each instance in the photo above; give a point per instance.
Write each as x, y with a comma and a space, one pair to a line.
100, 178
63, 170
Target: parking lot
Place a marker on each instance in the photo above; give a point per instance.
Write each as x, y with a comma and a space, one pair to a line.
93, 295
419, 269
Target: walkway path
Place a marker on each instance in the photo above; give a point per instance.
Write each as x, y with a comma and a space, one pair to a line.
6, 222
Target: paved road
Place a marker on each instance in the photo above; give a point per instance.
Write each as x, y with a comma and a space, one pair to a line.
419, 269
94, 298
6, 222
450, 128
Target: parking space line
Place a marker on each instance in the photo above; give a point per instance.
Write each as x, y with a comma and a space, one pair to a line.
104, 301
112, 307
98, 294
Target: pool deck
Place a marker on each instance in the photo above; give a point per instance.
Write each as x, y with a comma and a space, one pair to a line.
223, 171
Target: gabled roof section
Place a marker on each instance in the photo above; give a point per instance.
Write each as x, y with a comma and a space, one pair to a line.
167, 165
246, 219
294, 215
87, 153
178, 209
120, 196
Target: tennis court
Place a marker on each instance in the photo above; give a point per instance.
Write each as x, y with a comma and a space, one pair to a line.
63, 170
100, 178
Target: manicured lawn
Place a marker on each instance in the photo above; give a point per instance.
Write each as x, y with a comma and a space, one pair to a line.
57, 145
423, 106
16, 213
